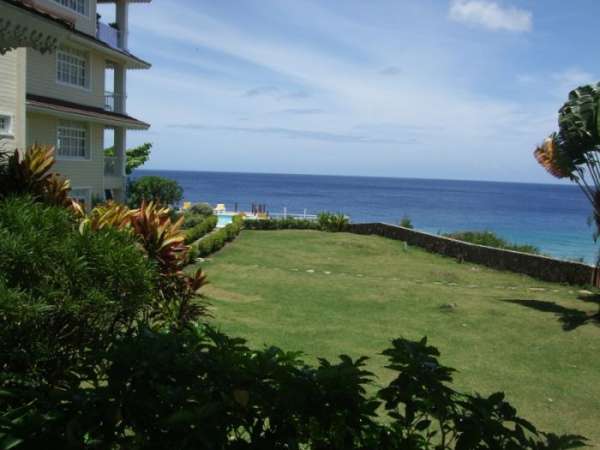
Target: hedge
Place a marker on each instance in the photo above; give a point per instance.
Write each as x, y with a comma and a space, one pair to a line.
216, 240
200, 230
282, 224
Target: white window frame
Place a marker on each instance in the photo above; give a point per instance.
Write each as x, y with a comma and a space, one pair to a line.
73, 126
7, 131
87, 197
65, 4
74, 54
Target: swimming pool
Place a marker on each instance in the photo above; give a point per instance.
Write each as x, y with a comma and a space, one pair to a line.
224, 219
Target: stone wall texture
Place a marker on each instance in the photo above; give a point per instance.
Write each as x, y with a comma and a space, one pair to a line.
540, 267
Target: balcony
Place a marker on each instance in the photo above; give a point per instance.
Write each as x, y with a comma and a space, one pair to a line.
112, 102
109, 35
112, 166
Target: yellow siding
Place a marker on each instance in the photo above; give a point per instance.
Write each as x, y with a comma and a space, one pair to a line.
41, 129
86, 24
9, 96
41, 79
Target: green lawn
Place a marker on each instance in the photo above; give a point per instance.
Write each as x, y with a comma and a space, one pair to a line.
328, 294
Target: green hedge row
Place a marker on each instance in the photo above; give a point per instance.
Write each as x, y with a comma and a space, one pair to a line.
326, 221
282, 224
217, 240
200, 230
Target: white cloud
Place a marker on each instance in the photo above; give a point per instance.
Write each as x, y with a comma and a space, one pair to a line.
490, 15
352, 92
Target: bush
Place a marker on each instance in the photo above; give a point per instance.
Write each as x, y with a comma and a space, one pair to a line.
201, 389
333, 222
282, 224
217, 240
406, 223
155, 189
202, 209
490, 239
63, 293
206, 226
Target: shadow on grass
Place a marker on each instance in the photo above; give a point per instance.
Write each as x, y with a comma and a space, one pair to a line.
570, 318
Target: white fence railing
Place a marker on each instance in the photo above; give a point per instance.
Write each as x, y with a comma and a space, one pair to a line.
109, 35
113, 102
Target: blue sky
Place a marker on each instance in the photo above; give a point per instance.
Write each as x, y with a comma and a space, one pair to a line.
460, 89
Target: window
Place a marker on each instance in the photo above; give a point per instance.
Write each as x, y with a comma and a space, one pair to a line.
5, 124
81, 195
72, 67
72, 140
79, 6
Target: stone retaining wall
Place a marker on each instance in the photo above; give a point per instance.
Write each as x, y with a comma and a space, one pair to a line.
540, 267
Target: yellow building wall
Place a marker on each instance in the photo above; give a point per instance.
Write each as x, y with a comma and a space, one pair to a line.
12, 97
41, 129
85, 24
41, 79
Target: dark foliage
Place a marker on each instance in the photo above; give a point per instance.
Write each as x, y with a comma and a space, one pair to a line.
162, 191
200, 389
63, 293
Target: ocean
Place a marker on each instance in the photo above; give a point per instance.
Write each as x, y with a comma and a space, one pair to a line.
551, 217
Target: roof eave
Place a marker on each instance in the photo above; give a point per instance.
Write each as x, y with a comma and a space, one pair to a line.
130, 61
74, 114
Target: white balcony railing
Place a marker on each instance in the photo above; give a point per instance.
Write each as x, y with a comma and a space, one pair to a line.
112, 166
113, 102
109, 35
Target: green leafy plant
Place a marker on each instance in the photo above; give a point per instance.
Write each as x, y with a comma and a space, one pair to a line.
288, 223
62, 293
574, 151
136, 157
200, 388
201, 229
334, 222
217, 239
202, 209
30, 174
154, 189
490, 239
406, 223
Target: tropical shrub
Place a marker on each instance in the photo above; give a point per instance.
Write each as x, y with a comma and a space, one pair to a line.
159, 190
191, 220
201, 389
574, 151
201, 229
490, 239
288, 223
217, 240
202, 209
63, 294
163, 242
30, 174
333, 222
136, 157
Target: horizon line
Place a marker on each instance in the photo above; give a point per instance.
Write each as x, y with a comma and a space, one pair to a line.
356, 176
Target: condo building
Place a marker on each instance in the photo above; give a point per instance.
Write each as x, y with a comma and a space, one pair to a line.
63, 82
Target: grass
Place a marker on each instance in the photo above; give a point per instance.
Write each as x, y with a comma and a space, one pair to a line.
328, 294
